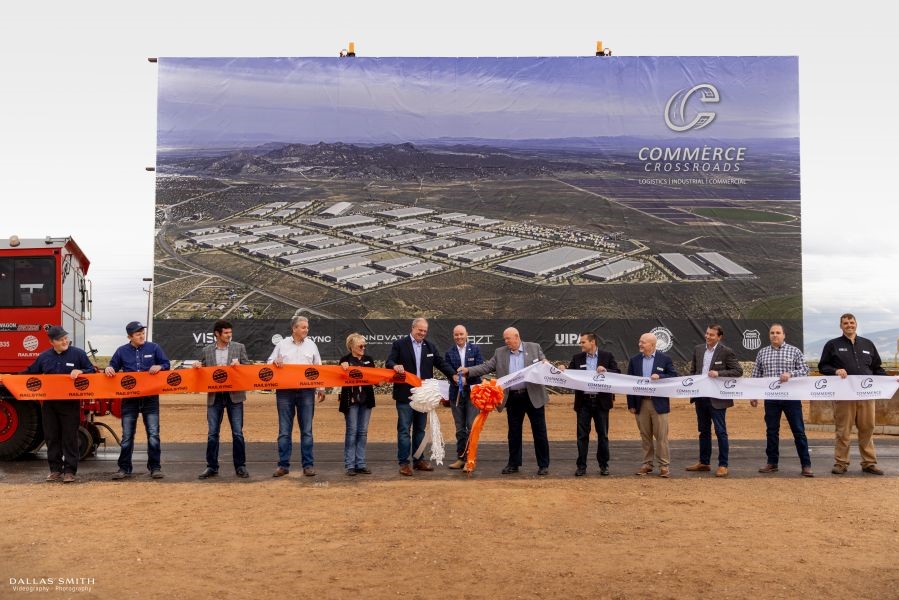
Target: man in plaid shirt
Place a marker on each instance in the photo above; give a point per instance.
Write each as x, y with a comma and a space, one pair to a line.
784, 361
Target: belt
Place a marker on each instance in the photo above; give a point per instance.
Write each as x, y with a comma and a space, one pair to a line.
518, 392
591, 396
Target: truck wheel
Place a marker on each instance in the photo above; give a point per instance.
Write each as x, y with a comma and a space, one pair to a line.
86, 444
38, 438
95, 433
20, 423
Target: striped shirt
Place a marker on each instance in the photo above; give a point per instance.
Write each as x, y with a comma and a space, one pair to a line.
771, 362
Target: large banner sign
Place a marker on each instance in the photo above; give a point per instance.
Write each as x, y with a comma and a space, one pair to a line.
618, 195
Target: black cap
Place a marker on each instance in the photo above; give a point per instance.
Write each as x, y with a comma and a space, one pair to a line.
56, 332
134, 327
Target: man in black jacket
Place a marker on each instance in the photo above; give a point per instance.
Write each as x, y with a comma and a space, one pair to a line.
61, 418
714, 359
846, 355
592, 407
418, 356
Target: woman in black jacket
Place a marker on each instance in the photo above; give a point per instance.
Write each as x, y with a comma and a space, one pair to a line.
356, 403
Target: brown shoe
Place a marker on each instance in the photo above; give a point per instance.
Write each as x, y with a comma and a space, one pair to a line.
664, 472
423, 465
873, 470
68, 478
406, 470
807, 472
839, 469
309, 471
769, 468
721, 472
280, 472
644, 470
699, 467
54, 476
458, 464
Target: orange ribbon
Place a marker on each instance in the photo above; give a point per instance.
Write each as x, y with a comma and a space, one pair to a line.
486, 397
199, 380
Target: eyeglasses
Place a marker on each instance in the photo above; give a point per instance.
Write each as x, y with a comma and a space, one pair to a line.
361, 346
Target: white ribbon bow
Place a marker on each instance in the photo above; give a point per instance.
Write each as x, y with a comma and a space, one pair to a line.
426, 399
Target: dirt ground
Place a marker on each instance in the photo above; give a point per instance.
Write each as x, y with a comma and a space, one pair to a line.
618, 537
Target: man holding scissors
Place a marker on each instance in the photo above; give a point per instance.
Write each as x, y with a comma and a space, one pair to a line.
462, 354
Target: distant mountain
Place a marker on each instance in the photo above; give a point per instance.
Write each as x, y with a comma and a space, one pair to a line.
242, 163
400, 162
884, 340
612, 143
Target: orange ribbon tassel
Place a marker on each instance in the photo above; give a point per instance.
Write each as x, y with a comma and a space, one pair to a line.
486, 397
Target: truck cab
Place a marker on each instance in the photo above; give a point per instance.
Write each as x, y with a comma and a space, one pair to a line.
42, 283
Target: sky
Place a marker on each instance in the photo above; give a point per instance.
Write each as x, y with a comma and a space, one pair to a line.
383, 100
78, 113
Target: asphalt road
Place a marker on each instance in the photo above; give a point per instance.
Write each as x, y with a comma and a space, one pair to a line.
183, 462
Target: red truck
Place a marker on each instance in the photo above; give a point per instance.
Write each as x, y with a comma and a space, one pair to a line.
42, 283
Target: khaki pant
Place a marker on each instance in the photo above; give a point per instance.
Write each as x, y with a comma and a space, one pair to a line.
653, 425
860, 413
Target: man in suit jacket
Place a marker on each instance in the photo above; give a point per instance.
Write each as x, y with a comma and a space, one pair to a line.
592, 407
520, 399
223, 353
419, 356
651, 412
463, 353
715, 360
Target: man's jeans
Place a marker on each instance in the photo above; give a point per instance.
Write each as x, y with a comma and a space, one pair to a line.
792, 409
406, 417
357, 416
302, 404
463, 414
214, 415
706, 416
148, 406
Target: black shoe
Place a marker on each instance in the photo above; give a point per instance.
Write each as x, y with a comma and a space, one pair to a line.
580, 472
543, 471
604, 471
363, 470
509, 469
351, 472
207, 473
156, 473
242, 472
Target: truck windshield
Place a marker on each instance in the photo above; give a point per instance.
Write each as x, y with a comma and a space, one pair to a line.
27, 282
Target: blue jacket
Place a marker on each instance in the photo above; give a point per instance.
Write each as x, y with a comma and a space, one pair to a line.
130, 359
401, 353
49, 362
472, 357
662, 366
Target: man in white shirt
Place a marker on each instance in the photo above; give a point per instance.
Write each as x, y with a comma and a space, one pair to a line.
297, 349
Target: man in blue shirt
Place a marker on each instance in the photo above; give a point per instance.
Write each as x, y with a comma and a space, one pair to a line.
139, 355
61, 418
463, 353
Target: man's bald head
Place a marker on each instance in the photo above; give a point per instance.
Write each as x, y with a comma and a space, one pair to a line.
647, 343
512, 338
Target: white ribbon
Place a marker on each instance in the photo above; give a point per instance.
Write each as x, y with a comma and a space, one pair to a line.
832, 387
426, 399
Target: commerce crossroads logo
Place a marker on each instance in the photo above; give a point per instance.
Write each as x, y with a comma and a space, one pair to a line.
676, 108
681, 116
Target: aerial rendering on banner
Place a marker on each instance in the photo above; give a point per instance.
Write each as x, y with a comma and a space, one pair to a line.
563, 193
